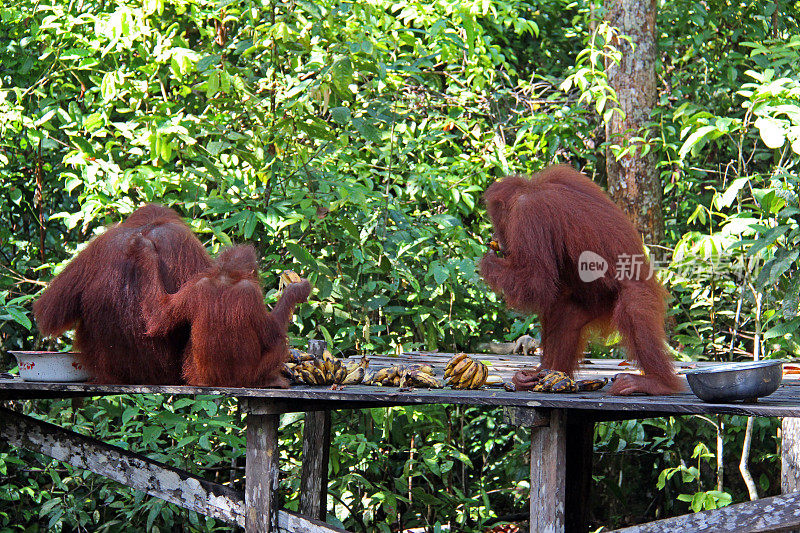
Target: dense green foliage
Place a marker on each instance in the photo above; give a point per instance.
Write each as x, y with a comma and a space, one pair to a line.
351, 142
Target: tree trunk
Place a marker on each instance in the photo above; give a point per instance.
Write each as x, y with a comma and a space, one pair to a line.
633, 181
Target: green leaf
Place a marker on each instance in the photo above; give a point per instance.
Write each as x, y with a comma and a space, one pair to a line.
769, 238
249, 225
772, 131
693, 142
781, 330
301, 255
440, 274
19, 316
207, 62
731, 192
468, 22
150, 433
129, 413
341, 115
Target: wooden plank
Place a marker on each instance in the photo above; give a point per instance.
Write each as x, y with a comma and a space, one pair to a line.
314, 475
784, 403
165, 482
294, 523
548, 475
261, 473
779, 513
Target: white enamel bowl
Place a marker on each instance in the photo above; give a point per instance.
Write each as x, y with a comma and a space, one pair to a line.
50, 366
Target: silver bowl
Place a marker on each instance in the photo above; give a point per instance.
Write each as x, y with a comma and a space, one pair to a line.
736, 381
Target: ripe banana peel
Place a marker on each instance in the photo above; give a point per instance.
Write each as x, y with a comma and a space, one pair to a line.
556, 381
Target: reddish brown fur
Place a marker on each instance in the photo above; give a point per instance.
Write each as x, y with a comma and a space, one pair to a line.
235, 341
99, 294
543, 225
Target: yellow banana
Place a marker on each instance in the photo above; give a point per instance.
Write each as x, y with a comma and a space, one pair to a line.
355, 377
457, 372
339, 374
423, 379
462, 366
287, 277
317, 369
453, 362
480, 376
382, 375
425, 369
493, 379
469, 373
307, 377
330, 368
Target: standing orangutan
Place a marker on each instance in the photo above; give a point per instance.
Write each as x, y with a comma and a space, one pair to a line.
565, 251
234, 341
99, 294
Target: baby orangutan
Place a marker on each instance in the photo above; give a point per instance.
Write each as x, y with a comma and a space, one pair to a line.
564, 250
234, 341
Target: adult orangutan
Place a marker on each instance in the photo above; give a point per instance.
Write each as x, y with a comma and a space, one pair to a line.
234, 341
554, 235
100, 291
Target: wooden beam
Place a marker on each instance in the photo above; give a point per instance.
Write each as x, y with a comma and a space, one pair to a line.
314, 476
165, 482
548, 474
294, 523
261, 473
267, 406
778, 513
526, 417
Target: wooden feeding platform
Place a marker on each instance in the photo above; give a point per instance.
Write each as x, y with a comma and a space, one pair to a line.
562, 428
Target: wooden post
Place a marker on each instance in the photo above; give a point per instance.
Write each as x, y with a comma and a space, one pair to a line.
561, 467
548, 474
580, 449
314, 477
261, 473
790, 457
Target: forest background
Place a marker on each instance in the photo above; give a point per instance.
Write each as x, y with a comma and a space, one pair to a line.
351, 141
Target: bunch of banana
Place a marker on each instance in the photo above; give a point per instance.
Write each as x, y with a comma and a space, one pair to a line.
462, 372
556, 381
389, 376
325, 370
406, 376
419, 376
355, 372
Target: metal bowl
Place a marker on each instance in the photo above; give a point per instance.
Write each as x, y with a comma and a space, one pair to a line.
50, 366
736, 381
